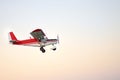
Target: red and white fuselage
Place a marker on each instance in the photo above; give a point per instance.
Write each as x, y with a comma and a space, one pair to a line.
39, 40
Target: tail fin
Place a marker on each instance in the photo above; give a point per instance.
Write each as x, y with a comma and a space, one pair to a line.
12, 37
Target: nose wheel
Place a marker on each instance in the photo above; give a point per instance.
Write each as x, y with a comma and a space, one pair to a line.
42, 49
54, 49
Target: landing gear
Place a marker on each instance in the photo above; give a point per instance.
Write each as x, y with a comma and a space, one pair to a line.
54, 49
42, 49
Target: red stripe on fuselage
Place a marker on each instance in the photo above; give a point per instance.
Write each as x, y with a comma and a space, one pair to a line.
27, 41
31, 41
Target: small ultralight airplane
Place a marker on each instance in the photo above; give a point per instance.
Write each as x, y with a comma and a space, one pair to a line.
39, 40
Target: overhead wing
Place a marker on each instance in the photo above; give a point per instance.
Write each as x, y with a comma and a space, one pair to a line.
38, 34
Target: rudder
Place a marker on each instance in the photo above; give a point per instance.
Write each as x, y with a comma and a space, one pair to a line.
12, 36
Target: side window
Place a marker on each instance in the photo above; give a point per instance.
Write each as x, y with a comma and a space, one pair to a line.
41, 35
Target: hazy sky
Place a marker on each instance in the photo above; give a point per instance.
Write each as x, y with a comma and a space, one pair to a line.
89, 32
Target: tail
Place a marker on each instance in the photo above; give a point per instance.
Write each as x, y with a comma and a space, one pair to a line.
12, 37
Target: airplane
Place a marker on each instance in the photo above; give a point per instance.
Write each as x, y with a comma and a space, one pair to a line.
39, 40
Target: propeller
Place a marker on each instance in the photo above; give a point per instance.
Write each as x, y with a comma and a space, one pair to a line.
58, 39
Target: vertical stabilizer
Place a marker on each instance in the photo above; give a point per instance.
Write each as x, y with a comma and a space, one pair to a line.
12, 37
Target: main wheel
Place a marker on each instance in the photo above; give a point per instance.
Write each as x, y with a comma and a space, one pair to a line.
42, 49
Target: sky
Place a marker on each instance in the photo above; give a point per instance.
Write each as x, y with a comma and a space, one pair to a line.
89, 32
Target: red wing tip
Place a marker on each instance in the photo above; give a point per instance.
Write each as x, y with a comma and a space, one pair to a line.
36, 30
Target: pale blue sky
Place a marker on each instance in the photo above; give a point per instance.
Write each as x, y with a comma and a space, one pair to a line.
81, 16
89, 33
